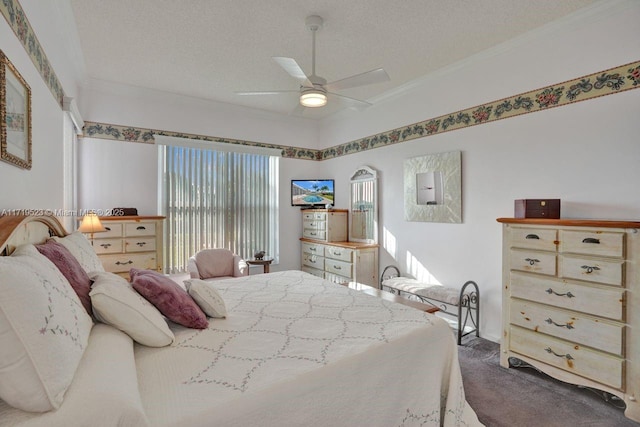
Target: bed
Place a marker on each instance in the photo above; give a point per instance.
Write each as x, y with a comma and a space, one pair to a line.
293, 350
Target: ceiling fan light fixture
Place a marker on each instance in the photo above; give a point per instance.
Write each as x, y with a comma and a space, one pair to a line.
313, 98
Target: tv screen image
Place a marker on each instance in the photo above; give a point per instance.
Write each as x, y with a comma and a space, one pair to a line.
312, 192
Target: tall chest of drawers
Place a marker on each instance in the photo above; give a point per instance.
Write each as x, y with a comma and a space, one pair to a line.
570, 302
130, 242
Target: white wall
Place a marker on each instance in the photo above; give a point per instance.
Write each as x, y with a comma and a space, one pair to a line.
586, 154
40, 187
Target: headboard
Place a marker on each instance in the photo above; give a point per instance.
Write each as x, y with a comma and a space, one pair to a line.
16, 230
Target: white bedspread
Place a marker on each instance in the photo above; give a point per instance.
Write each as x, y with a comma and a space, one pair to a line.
296, 350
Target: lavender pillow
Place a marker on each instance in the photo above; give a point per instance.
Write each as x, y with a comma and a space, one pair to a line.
70, 268
168, 297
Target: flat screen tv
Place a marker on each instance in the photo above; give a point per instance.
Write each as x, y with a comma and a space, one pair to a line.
308, 193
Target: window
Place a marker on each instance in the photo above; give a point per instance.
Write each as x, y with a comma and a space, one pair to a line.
217, 199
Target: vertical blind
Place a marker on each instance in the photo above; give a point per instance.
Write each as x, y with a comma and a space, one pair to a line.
218, 199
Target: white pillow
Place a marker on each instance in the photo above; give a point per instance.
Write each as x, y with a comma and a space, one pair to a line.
82, 250
207, 297
116, 303
44, 330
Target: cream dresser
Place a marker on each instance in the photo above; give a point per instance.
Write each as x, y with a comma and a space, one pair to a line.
327, 225
130, 242
326, 252
571, 302
341, 262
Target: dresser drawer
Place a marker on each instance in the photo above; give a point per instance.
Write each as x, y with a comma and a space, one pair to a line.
107, 246
610, 272
113, 230
534, 262
606, 244
598, 366
598, 301
121, 263
140, 244
338, 267
140, 229
313, 249
311, 233
314, 271
314, 216
336, 252
568, 325
534, 238
316, 225
314, 261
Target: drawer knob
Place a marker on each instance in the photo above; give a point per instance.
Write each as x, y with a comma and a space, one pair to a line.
141, 244
124, 263
337, 267
591, 240
566, 356
337, 253
312, 249
105, 245
560, 325
141, 227
531, 261
107, 228
590, 268
532, 236
568, 294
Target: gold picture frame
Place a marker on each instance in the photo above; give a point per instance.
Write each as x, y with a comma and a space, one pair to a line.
15, 116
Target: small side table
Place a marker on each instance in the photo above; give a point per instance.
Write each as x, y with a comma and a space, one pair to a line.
265, 263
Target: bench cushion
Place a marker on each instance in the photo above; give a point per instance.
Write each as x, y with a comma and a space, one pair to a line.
413, 286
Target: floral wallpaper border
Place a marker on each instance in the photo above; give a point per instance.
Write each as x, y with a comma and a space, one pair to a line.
17, 20
613, 80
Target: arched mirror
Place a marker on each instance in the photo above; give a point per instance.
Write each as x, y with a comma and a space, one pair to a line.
363, 226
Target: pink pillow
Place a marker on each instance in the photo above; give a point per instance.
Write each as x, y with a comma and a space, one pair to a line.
70, 268
168, 297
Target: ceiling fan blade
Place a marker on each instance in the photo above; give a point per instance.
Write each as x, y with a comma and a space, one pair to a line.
374, 76
351, 102
291, 66
298, 111
267, 92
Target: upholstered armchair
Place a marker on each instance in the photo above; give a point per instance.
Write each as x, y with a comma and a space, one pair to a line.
216, 264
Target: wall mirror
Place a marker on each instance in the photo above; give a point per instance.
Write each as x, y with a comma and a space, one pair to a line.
363, 203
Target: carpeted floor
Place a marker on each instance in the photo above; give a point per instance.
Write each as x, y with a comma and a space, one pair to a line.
524, 397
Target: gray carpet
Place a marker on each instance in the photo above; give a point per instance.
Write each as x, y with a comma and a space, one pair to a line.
524, 397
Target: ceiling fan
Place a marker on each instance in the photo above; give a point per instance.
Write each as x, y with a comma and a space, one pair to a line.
314, 90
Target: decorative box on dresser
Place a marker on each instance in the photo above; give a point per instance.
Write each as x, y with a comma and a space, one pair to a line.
130, 242
571, 302
326, 252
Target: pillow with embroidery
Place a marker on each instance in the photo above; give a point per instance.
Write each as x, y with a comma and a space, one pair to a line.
116, 303
44, 330
82, 250
207, 297
70, 268
168, 297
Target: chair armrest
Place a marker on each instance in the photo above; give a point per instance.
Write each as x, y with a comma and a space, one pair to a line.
240, 266
192, 268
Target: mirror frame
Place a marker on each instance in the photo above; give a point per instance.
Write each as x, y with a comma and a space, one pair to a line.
361, 175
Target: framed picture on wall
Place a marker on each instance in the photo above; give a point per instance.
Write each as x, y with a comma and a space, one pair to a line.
433, 188
15, 116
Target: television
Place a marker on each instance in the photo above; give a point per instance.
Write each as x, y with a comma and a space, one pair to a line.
309, 193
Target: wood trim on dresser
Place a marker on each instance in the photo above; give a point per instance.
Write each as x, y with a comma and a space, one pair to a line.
572, 222
349, 245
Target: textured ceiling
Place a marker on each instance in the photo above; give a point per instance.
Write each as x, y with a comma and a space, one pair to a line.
212, 48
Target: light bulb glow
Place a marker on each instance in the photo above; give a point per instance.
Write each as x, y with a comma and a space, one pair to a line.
313, 98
